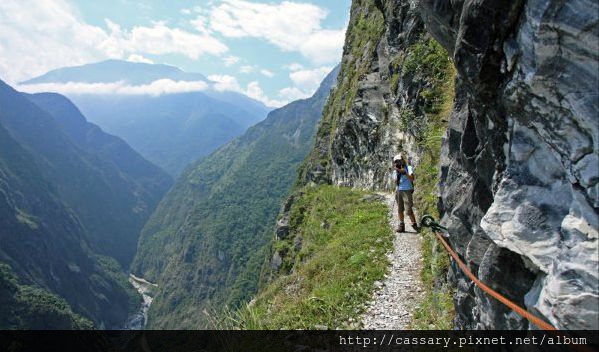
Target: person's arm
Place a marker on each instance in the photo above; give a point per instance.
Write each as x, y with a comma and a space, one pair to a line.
410, 173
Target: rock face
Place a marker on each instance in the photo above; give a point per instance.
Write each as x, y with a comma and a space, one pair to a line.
359, 133
520, 159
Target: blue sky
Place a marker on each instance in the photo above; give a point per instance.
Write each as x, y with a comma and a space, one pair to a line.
274, 51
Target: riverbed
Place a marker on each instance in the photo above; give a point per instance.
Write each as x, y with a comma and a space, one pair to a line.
146, 289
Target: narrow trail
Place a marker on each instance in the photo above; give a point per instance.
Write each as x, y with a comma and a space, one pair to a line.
395, 298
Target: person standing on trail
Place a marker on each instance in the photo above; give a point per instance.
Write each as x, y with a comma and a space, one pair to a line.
404, 179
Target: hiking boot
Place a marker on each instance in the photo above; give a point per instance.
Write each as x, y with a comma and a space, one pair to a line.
416, 228
402, 227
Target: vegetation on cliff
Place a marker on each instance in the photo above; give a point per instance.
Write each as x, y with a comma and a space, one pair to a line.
46, 245
428, 60
31, 307
361, 39
414, 99
333, 254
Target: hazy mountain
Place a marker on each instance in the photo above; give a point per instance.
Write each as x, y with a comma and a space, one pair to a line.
152, 181
170, 130
82, 163
204, 243
108, 71
47, 267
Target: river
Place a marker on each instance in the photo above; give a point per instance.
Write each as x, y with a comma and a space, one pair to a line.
147, 289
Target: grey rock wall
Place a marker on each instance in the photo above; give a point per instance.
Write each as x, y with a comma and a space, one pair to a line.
359, 149
520, 158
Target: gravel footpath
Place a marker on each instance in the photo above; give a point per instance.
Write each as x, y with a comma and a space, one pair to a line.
395, 298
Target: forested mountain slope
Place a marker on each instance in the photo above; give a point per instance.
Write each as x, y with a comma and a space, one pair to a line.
111, 187
206, 242
47, 269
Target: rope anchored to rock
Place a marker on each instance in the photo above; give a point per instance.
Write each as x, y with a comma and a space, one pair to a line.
441, 232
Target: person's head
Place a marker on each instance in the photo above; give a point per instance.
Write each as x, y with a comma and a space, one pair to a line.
399, 160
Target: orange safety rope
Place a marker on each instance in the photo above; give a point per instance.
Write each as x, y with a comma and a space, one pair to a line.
513, 306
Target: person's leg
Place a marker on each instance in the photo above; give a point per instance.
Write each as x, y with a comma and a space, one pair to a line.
400, 209
410, 206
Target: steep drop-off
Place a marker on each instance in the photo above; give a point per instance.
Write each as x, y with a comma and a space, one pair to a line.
116, 204
111, 201
45, 257
206, 243
518, 168
326, 262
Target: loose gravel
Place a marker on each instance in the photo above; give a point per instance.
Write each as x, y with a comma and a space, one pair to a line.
395, 298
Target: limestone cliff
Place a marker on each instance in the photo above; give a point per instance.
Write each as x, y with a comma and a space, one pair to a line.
360, 129
519, 161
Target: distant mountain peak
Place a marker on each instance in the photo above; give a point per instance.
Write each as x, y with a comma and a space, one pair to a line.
113, 70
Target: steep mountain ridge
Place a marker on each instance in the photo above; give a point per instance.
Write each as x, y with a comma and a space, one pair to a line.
73, 198
518, 167
394, 94
170, 130
378, 108
206, 243
45, 253
111, 206
151, 181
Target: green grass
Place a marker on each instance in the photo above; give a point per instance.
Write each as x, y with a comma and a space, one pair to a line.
428, 59
329, 279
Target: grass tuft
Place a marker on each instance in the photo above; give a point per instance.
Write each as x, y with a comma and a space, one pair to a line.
428, 59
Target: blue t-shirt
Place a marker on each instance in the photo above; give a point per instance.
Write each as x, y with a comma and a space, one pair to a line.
404, 182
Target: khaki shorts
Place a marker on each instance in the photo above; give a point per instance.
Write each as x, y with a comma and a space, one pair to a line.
404, 200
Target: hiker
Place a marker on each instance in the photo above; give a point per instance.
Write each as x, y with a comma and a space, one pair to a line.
404, 179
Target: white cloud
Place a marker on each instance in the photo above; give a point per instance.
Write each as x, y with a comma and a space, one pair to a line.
139, 58
267, 73
293, 93
160, 39
230, 60
305, 82
309, 80
43, 35
253, 90
294, 66
155, 88
185, 11
225, 82
246, 69
289, 25
324, 46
